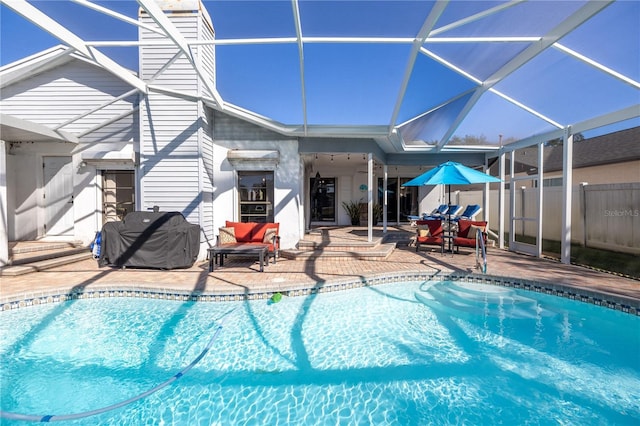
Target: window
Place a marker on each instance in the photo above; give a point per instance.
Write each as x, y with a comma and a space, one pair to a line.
118, 194
553, 182
256, 196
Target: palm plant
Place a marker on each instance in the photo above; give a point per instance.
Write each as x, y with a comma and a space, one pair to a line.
353, 210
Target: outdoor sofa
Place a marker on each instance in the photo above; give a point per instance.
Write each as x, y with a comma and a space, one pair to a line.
251, 233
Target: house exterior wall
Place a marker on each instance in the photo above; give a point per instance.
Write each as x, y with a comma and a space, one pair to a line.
206, 179
232, 133
4, 238
22, 192
176, 151
78, 87
60, 94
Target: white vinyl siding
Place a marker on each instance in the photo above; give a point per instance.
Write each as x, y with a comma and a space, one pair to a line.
207, 174
69, 91
179, 75
169, 154
176, 147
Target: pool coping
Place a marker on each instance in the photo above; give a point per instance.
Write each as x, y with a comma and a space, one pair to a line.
611, 301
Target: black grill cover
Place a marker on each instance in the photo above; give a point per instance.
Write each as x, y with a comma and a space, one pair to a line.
162, 240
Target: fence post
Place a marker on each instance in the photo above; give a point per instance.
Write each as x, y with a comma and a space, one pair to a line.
583, 207
523, 212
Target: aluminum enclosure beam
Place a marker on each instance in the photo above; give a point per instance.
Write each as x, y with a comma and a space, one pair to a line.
43, 21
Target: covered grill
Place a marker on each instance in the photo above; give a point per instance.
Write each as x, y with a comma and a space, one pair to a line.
162, 240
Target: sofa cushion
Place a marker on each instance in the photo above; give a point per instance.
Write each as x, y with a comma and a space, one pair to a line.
466, 236
423, 231
227, 235
269, 234
243, 230
464, 226
473, 230
260, 230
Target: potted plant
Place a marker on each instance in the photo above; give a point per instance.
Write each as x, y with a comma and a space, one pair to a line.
377, 213
353, 210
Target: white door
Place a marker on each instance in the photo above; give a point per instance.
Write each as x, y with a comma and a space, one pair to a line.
58, 196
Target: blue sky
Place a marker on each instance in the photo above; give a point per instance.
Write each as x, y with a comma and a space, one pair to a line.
359, 84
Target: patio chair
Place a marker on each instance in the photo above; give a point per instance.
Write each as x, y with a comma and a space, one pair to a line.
466, 235
429, 232
469, 213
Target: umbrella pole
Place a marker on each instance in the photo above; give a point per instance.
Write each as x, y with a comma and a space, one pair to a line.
449, 209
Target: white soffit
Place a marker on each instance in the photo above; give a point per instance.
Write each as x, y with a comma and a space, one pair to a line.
14, 129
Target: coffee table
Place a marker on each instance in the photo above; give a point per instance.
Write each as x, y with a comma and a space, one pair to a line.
259, 250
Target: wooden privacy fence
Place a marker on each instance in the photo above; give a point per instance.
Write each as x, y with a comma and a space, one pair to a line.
605, 216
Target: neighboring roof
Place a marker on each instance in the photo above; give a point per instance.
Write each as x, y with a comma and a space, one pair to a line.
612, 148
408, 74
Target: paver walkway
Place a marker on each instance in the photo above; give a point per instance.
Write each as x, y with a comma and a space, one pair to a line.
239, 276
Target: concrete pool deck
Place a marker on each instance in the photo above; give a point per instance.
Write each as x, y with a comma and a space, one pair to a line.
241, 276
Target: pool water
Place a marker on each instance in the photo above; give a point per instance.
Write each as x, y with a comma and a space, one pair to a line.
407, 353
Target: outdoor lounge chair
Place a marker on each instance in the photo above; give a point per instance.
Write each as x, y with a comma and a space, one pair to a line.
469, 213
466, 235
452, 211
414, 219
438, 212
429, 232
447, 217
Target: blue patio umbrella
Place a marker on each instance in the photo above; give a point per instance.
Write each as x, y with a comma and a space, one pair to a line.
451, 173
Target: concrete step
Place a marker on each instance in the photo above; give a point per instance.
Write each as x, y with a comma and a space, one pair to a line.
42, 265
378, 252
338, 244
46, 252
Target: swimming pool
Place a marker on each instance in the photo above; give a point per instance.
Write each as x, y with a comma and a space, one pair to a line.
401, 353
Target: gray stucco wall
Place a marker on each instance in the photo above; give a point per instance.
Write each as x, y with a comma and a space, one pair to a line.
232, 133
